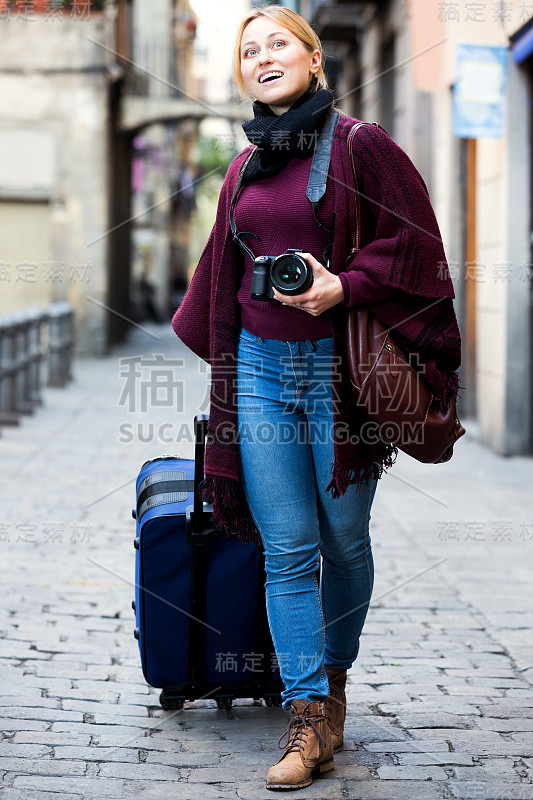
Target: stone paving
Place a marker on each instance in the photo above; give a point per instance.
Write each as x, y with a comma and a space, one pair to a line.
440, 700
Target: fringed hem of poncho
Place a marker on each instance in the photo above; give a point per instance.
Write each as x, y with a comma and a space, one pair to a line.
229, 509
446, 389
231, 512
344, 476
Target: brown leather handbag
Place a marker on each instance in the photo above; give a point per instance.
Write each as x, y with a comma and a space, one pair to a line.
399, 406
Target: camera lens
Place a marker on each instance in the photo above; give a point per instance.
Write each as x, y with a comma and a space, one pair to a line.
291, 274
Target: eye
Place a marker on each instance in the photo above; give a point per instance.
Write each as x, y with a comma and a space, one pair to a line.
278, 42
247, 52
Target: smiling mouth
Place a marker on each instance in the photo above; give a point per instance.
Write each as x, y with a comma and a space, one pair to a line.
273, 79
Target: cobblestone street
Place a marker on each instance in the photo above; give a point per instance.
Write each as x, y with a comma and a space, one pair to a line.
440, 699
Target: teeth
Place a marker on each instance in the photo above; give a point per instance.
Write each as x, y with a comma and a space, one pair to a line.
268, 75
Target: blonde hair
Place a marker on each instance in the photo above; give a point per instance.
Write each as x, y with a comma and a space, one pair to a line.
294, 23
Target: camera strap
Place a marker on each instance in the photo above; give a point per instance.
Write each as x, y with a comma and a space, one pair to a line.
237, 236
316, 186
318, 176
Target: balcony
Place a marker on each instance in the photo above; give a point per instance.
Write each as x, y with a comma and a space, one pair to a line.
137, 112
339, 20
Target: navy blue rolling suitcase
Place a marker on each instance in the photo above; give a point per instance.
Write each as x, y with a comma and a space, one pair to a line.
199, 596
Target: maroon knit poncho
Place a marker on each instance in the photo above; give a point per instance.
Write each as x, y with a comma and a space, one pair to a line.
402, 249
277, 210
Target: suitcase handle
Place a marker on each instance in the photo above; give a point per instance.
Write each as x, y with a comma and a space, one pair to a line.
199, 526
200, 432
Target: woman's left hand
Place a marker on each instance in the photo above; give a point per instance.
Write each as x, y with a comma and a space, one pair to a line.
325, 292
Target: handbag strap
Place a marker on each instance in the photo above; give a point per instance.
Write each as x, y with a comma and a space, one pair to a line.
357, 231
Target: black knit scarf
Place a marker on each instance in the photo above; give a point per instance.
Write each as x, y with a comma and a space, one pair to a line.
280, 138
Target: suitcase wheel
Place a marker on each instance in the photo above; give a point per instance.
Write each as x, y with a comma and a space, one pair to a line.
224, 702
170, 703
272, 700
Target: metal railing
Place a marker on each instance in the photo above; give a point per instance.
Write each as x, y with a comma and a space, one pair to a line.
60, 343
36, 349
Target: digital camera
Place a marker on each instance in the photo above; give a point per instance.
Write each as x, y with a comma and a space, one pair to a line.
288, 273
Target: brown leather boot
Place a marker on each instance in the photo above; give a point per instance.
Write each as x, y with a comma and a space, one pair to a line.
308, 751
336, 705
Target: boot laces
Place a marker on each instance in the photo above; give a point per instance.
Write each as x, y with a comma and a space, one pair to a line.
297, 731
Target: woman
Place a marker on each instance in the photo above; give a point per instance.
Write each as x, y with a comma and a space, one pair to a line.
286, 466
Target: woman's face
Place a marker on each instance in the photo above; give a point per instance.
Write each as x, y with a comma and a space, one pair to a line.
267, 47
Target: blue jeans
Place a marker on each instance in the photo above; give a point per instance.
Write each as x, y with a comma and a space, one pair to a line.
285, 424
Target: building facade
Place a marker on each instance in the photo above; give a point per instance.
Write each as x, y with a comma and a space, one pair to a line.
73, 224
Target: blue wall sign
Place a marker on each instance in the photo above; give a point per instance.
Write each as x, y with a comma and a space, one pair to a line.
479, 91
